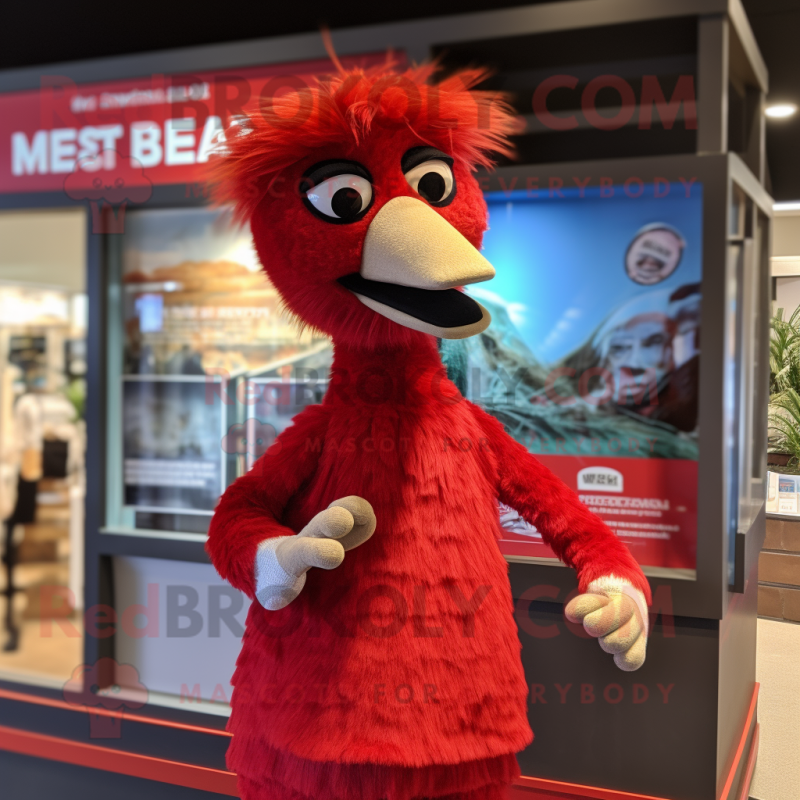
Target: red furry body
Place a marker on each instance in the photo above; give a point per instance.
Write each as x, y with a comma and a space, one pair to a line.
396, 675
407, 655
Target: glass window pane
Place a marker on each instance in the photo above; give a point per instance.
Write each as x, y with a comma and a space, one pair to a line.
42, 442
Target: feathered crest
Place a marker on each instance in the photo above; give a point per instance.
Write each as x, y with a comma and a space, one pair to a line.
346, 109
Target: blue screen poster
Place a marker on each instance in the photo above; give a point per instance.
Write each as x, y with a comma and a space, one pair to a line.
592, 357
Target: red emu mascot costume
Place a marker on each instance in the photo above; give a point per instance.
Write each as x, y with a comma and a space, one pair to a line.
381, 660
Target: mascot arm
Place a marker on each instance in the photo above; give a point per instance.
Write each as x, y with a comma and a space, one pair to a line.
615, 592
247, 542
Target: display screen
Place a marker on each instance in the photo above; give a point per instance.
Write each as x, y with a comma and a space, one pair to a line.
592, 357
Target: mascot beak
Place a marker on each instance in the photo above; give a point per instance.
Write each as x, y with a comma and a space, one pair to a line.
411, 263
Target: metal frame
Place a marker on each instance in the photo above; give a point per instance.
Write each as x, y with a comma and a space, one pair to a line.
708, 595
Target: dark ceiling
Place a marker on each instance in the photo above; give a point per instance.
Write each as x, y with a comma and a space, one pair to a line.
776, 24
66, 31
63, 31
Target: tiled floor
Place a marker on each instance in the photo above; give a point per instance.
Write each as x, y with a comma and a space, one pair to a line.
777, 775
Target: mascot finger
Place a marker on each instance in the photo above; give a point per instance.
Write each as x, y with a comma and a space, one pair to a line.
298, 554
632, 659
607, 619
363, 518
332, 523
622, 638
584, 604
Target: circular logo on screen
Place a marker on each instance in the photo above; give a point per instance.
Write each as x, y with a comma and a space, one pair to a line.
654, 254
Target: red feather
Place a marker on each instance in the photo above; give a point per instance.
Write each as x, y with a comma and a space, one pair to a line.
346, 110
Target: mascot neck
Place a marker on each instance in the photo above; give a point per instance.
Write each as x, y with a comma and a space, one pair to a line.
393, 376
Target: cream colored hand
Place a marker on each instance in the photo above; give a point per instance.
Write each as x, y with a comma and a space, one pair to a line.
283, 561
616, 613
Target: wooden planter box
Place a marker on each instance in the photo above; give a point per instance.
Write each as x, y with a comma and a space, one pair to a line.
779, 570
777, 459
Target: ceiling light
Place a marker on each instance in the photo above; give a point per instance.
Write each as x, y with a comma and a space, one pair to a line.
793, 206
781, 110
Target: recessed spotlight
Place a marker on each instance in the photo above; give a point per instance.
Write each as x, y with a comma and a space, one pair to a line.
781, 110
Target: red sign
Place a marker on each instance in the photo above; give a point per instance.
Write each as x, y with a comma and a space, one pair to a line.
651, 504
164, 125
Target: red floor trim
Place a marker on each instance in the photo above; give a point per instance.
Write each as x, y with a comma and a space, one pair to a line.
223, 782
89, 755
21, 697
751, 764
726, 789
559, 789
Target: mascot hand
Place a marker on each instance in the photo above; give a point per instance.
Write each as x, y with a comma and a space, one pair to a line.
282, 562
616, 612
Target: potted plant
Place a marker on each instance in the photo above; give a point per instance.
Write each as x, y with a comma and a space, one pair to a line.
783, 452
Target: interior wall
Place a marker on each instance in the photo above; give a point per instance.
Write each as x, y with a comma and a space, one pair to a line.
786, 236
787, 294
786, 262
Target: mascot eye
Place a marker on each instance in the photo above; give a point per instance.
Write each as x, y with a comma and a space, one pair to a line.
344, 197
338, 192
429, 173
433, 181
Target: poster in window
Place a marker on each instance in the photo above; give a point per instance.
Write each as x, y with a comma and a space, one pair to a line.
171, 445
593, 356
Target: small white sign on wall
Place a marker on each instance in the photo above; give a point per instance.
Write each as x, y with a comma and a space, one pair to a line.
600, 479
787, 494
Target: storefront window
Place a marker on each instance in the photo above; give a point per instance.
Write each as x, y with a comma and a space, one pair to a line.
42, 443
205, 368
